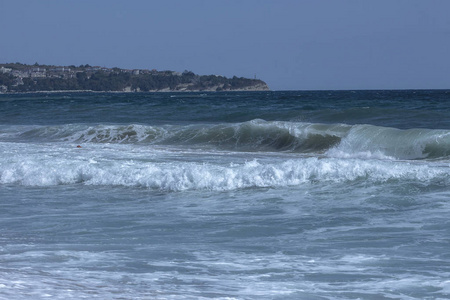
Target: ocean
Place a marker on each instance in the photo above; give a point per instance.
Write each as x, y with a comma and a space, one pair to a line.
241, 195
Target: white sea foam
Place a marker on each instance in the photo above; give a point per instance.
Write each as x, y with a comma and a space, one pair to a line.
127, 168
347, 211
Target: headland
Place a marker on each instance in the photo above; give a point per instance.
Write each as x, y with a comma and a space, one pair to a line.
20, 78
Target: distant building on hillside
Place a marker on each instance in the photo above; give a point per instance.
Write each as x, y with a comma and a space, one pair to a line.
38, 73
4, 70
60, 70
20, 74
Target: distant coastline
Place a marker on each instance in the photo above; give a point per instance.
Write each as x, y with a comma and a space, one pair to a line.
22, 78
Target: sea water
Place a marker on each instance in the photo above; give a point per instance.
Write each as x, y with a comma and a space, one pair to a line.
255, 195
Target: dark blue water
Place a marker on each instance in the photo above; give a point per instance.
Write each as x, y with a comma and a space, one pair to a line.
256, 195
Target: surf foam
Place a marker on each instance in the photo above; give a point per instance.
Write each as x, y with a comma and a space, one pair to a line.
41, 170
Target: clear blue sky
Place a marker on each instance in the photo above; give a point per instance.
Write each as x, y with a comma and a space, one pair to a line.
290, 44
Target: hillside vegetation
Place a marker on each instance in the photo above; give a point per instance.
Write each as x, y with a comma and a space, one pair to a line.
17, 77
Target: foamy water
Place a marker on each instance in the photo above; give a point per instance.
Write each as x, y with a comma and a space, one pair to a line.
275, 195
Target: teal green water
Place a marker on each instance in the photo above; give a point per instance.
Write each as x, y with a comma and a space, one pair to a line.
271, 195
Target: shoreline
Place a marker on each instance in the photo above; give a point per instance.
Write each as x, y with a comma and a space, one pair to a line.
133, 92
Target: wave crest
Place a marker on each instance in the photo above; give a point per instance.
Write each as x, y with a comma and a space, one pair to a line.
336, 140
391, 143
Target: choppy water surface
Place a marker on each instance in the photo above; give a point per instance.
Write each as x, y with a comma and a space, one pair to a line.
271, 195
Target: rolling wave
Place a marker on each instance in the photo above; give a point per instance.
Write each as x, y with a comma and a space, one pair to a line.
337, 140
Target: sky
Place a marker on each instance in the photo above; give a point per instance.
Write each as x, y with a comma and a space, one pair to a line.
290, 44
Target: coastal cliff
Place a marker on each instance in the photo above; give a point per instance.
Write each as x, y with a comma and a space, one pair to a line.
17, 77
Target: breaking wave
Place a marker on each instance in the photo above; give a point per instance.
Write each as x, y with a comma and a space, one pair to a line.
336, 140
176, 176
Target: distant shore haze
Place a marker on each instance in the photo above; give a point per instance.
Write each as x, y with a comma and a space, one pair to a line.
18, 77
